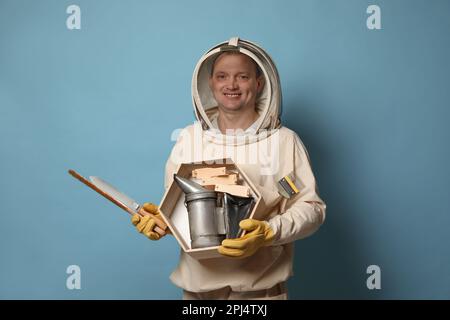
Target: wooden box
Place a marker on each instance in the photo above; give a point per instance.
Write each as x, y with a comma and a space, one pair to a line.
174, 211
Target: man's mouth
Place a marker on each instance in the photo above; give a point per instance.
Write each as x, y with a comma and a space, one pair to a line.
232, 95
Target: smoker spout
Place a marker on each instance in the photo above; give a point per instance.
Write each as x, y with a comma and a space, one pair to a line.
188, 186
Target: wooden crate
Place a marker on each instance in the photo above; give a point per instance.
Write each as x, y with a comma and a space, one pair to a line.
175, 214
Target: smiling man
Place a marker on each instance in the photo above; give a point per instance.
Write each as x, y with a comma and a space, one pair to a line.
236, 93
235, 82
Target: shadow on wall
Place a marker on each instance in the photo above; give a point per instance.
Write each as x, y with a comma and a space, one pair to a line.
331, 264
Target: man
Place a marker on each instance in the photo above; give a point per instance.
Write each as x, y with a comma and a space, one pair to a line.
237, 101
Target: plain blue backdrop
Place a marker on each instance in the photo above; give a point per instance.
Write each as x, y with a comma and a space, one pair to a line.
371, 106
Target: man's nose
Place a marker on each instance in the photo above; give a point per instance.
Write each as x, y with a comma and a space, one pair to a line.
232, 83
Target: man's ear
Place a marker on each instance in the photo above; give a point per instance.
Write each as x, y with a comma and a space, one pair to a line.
260, 81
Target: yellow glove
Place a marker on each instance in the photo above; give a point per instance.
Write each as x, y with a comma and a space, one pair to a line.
259, 234
146, 224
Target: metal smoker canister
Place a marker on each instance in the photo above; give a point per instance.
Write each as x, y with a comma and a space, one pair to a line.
205, 219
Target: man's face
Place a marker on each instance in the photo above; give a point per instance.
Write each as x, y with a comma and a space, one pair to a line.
234, 83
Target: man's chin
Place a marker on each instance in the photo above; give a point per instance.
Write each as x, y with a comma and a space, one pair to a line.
230, 106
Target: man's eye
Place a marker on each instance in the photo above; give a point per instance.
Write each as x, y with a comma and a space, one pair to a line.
220, 76
244, 77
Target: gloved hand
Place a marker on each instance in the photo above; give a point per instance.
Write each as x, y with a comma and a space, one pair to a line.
146, 224
259, 234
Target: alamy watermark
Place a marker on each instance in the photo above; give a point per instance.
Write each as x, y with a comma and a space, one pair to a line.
196, 146
73, 21
374, 280
374, 20
74, 279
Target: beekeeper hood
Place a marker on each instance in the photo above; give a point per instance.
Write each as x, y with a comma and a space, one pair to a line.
268, 103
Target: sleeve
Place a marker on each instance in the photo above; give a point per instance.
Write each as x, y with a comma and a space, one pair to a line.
176, 157
171, 168
305, 212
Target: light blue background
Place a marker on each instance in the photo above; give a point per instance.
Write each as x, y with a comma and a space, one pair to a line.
372, 108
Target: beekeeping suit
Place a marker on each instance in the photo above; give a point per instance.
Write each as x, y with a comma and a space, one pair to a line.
266, 152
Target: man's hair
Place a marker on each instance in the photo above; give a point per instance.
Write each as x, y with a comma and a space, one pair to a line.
257, 68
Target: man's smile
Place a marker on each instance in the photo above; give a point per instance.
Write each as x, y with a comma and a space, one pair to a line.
232, 95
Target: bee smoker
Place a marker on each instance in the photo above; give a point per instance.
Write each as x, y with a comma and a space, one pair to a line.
212, 218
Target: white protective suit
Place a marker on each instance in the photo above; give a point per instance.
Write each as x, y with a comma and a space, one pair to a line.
266, 152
